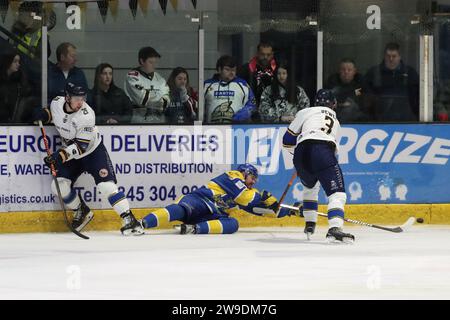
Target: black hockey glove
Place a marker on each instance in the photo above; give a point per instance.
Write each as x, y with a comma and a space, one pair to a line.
41, 114
54, 159
295, 212
283, 212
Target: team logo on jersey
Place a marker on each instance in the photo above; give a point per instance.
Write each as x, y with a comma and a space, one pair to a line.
223, 113
103, 173
333, 185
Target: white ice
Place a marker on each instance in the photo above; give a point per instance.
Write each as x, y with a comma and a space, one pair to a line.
269, 263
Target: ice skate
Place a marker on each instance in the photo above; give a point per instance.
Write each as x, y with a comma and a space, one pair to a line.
131, 227
336, 235
310, 227
81, 216
186, 228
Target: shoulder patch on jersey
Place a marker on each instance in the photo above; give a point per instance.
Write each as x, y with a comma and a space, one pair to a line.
133, 73
89, 129
56, 98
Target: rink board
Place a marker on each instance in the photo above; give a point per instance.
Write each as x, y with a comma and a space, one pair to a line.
390, 171
106, 220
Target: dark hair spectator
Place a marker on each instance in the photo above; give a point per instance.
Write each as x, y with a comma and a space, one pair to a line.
110, 103
16, 103
28, 29
147, 52
393, 88
183, 99
65, 70
442, 102
281, 100
147, 89
260, 70
226, 61
228, 98
347, 86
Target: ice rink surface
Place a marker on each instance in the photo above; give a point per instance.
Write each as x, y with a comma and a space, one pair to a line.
269, 263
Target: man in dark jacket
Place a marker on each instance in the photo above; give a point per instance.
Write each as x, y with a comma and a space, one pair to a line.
394, 88
347, 87
64, 71
260, 71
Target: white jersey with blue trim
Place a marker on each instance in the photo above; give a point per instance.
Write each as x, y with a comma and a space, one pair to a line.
78, 131
224, 100
315, 123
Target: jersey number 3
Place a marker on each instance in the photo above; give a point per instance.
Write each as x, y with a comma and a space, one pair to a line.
329, 125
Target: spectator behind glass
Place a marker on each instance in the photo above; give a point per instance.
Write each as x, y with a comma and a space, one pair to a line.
147, 89
347, 87
64, 71
260, 71
394, 88
110, 103
29, 30
183, 99
15, 101
442, 102
228, 98
283, 98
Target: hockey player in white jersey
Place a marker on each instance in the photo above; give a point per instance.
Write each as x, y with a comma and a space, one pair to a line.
83, 151
311, 137
147, 89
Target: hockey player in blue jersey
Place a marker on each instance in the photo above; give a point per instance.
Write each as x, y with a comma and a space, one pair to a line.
83, 151
207, 210
311, 137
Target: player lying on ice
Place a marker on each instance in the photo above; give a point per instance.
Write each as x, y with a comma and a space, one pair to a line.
206, 210
83, 151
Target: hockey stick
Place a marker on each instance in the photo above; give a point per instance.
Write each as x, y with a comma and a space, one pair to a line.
55, 180
294, 175
399, 229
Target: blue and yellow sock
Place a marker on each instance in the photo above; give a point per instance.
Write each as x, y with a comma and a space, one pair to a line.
222, 226
170, 213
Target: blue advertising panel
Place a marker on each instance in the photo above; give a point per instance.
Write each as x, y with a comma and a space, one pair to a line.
401, 163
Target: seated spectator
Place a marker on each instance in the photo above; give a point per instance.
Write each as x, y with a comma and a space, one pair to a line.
228, 98
442, 102
28, 29
110, 103
147, 89
283, 98
183, 99
260, 71
394, 88
29, 33
64, 71
347, 87
16, 103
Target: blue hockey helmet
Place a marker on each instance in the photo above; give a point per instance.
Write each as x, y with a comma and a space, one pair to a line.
325, 98
247, 169
73, 90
